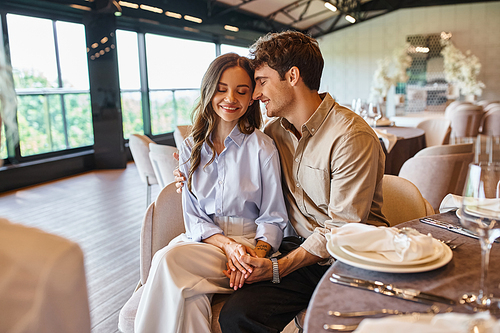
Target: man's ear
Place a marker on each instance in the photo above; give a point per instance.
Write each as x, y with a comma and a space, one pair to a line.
293, 75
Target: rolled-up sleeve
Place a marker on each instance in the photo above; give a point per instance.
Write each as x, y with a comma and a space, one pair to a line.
273, 215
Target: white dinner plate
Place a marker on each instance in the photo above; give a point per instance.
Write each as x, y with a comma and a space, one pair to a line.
378, 258
340, 255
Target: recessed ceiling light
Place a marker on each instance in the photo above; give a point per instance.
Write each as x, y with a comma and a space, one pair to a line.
174, 15
128, 4
80, 7
350, 18
151, 9
192, 19
330, 6
231, 28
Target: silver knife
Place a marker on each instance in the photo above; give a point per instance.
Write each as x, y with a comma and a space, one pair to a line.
449, 226
391, 290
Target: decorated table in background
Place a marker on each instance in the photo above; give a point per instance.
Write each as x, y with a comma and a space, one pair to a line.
459, 276
410, 141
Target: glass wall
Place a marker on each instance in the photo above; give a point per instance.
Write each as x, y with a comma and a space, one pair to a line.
52, 85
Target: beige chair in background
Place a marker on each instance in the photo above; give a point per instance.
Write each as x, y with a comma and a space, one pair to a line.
437, 175
437, 131
484, 103
163, 162
181, 132
453, 105
403, 201
465, 121
491, 106
139, 148
461, 148
490, 124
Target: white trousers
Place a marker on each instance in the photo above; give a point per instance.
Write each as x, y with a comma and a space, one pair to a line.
183, 278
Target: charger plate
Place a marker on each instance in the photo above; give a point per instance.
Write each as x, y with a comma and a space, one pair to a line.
340, 255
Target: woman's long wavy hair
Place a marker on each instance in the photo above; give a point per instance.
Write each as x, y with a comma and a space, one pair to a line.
204, 117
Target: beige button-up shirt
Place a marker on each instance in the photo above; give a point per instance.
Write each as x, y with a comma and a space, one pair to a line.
332, 174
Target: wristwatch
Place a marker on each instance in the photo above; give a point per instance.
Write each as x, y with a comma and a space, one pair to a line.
276, 272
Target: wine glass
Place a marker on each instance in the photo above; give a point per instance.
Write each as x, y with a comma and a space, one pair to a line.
480, 213
374, 112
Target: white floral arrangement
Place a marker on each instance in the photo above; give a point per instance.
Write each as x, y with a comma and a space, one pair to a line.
461, 69
390, 71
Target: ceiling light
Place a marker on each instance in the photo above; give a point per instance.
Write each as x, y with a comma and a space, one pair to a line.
350, 18
128, 4
80, 7
231, 28
151, 9
104, 40
174, 15
192, 19
330, 6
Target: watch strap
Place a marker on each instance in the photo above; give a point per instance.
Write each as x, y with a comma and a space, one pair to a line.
276, 272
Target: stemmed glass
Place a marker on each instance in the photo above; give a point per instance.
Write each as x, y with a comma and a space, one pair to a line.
480, 213
374, 112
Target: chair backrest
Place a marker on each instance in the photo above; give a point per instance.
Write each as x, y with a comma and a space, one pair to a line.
460, 148
139, 148
437, 131
163, 221
180, 133
437, 175
163, 162
490, 124
465, 120
402, 200
454, 105
491, 106
484, 103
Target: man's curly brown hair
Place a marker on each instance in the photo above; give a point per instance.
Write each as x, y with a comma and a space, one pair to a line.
284, 50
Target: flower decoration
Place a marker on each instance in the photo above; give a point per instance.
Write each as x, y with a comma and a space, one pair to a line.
461, 69
390, 71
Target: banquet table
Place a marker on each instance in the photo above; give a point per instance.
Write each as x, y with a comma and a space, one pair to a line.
459, 276
410, 141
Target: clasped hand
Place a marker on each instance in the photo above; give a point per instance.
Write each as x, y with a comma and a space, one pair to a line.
237, 269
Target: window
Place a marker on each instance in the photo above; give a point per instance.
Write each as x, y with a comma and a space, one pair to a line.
175, 70
52, 85
130, 82
242, 51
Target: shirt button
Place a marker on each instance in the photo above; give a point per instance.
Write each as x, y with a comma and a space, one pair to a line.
298, 185
218, 211
312, 129
297, 160
220, 182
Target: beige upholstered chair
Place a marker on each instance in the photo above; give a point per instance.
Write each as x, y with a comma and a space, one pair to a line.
491, 106
163, 162
437, 131
402, 200
181, 132
454, 105
43, 287
465, 120
139, 148
461, 148
162, 222
490, 124
484, 103
437, 175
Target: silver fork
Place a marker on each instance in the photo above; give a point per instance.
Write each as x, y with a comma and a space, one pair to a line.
432, 309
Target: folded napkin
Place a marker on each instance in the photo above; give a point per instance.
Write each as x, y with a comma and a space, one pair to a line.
397, 245
481, 322
450, 202
388, 138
